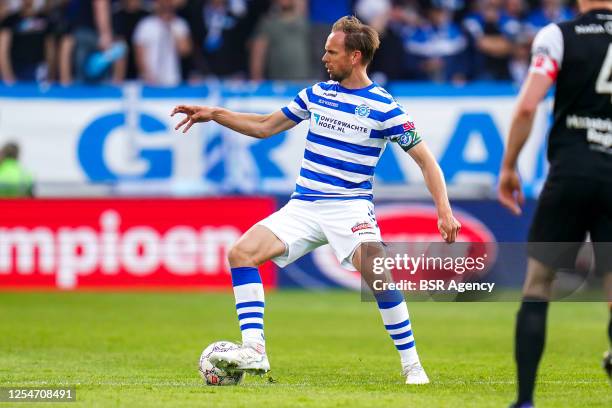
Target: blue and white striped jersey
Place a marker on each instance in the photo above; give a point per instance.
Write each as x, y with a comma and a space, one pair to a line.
348, 132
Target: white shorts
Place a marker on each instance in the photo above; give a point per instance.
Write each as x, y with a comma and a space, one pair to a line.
306, 225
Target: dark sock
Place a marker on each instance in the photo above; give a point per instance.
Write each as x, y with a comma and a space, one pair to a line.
529, 344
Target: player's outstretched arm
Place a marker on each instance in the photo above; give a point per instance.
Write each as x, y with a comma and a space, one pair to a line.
250, 124
434, 179
510, 193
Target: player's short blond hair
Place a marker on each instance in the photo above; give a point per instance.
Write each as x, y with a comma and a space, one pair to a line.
359, 37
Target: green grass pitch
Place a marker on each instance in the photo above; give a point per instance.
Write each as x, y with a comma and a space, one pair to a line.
327, 349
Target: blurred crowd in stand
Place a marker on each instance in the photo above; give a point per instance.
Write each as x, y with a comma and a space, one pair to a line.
168, 42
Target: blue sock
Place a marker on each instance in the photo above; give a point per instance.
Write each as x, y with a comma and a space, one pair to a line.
395, 317
250, 303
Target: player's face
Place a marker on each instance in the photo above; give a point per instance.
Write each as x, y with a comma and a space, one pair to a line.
338, 61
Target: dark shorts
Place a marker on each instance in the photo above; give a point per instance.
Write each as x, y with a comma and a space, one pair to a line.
568, 209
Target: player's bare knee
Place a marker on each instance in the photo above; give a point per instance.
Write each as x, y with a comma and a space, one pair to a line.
239, 255
365, 253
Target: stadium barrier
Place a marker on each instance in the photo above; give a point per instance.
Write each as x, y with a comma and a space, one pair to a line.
139, 244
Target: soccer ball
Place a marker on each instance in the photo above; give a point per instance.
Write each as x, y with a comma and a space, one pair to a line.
216, 376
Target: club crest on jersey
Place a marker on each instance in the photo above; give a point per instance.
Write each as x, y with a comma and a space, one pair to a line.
362, 110
361, 226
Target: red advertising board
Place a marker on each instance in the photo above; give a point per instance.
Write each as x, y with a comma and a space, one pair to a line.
124, 243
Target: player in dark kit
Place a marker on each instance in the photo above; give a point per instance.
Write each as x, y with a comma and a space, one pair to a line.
577, 196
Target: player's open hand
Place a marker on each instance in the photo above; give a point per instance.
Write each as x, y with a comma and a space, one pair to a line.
449, 227
510, 192
194, 114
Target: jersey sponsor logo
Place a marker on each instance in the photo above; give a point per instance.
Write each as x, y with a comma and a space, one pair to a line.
603, 16
328, 103
361, 226
412, 224
337, 125
585, 122
362, 110
598, 131
589, 29
602, 139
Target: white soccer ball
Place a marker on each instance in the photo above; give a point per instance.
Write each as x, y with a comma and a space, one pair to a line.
216, 376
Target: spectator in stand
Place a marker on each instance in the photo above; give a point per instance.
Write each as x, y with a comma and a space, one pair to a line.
438, 48
492, 34
15, 181
521, 53
11, 6
521, 58
241, 39
390, 61
25, 45
53, 10
517, 9
550, 11
457, 8
87, 30
160, 41
374, 13
125, 19
281, 47
4, 10
220, 31
322, 14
